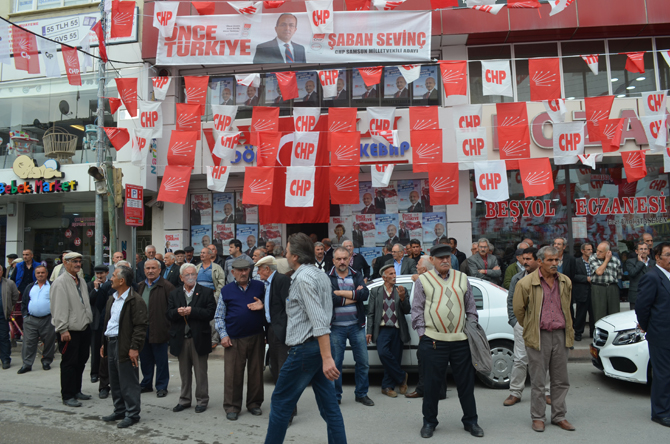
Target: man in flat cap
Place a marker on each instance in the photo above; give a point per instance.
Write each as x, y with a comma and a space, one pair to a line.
60, 268
11, 268
240, 321
98, 292
188, 256
71, 316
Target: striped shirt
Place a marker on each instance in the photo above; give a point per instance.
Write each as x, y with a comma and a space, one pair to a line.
612, 271
309, 306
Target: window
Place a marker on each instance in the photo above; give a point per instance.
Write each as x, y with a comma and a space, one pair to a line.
477, 53
578, 79
521, 54
479, 297
663, 44
35, 5
626, 83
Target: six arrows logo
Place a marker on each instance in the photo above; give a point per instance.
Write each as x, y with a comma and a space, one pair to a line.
610, 130
264, 125
513, 148
194, 94
512, 120
260, 186
538, 178
598, 115
182, 148
174, 184
428, 151
442, 184
345, 183
123, 18
542, 78
635, 160
186, 120
344, 152
422, 124
338, 126
452, 76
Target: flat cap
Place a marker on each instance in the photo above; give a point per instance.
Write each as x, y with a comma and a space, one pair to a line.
384, 268
189, 249
17, 261
12, 256
241, 264
101, 268
179, 252
440, 251
267, 260
72, 255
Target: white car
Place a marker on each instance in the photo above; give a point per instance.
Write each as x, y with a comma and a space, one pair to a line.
620, 348
491, 301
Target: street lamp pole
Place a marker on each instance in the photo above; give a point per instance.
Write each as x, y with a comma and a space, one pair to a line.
100, 150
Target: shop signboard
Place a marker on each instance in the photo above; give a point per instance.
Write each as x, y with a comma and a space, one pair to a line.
133, 208
47, 178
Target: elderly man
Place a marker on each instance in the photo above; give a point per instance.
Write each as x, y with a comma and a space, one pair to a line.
636, 268
179, 258
71, 316
188, 256
581, 292
25, 271
566, 262
259, 253
270, 247
98, 291
391, 231
116, 257
215, 256
159, 257
190, 310
251, 243
11, 268
401, 263
235, 251
321, 262
150, 253
171, 273
125, 330
8, 298
605, 275
356, 261
542, 308
516, 267
649, 240
155, 291
415, 203
60, 269
484, 265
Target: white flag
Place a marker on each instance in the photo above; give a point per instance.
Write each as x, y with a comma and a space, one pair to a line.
591, 159
299, 186
217, 178
108, 6
328, 80
5, 50
224, 116
654, 103
305, 119
141, 143
592, 61
666, 56
49, 52
151, 117
161, 86
165, 15
248, 79
568, 142
387, 5
86, 47
225, 143
381, 175
305, 145
559, 5
657, 133
467, 116
410, 72
385, 137
381, 118
491, 181
556, 109
320, 15
249, 10
471, 144
496, 79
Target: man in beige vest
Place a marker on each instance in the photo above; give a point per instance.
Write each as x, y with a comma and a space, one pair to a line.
442, 301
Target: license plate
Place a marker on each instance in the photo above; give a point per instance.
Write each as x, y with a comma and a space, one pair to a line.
594, 351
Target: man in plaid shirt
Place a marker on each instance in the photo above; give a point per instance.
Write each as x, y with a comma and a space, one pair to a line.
605, 274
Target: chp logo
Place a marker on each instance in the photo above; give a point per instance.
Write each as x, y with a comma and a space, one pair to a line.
246, 29
569, 141
164, 17
148, 119
489, 181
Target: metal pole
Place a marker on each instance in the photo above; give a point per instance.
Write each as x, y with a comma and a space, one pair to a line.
133, 247
100, 151
111, 207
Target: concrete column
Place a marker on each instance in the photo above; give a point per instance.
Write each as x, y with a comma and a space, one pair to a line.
15, 229
459, 217
174, 221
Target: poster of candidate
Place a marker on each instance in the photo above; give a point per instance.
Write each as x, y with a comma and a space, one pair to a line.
361, 92
248, 235
307, 93
366, 203
425, 199
395, 85
410, 227
224, 208
370, 253
244, 214
409, 196
364, 233
172, 242
434, 229
223, 233
342, 90
340, 229
222, 90
201, 209
201, 237
425, 87
272, 94
247, 95
270, 232
360, 36
386, 199
386, 226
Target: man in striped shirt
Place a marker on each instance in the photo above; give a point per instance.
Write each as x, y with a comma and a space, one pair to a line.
309, 309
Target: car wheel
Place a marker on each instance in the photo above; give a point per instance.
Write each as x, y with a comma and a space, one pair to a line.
502, 355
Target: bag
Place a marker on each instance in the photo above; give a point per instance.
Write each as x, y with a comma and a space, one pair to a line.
479, 347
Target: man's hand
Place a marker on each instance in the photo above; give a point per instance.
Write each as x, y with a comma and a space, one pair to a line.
360, 287
608, 255
102, 352
402, 292
415, 277
255, 306
589, 279
96, 284
133, 355
482, 271
184, 311
349, 302
368, 338
497, 267
226, 342
330, 370
65, 336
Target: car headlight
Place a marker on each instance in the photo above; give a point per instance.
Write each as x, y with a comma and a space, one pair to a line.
625, 337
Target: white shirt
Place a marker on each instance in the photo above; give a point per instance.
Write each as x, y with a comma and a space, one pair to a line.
282, 48
115, 313
665, 272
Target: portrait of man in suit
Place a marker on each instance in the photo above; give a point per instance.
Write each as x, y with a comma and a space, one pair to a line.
431, 91
369, 208
240, 215
357, 236
229, 217
380, 202
226, 96
439, 234
370, 92
403, 234
252, 98
341, 96
310, 97
391, 230
401, 84
415, 202
281, 49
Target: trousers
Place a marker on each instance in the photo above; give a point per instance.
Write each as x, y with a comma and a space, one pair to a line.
605, 301
73, 361
389, 347
124, 380
191, 362
553, 357
517, 379
244, 353
154, 355
34, 329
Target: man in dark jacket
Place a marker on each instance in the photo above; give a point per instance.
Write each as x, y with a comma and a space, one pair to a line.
155, 292
401, 263
380, 261
356, 261
455, 251
581, 292
125, 328
150, 252
98, 289
191, 307
636, 268
349, 295
25, 271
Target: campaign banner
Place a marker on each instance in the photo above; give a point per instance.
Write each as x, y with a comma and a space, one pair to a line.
360, 36
425, 87
340, 227
409, 196
370, 253
307, 94
271, 232
245, 214
434, 228
386, 199
365, 224
223, 234
172, 242
386, 226
395, 85
247, 234
201, 209
201, 237
411, 227
366, 203
222, 90
224, 208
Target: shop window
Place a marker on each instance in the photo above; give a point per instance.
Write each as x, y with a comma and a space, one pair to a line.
521, 55
663, 44
475, 54
578, 79
625, 83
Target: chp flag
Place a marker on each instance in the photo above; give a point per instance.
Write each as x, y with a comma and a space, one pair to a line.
381, 175
258, 186
344, 185
225, 143
141, 141
161, 84
165, 15
305, 119
224, 116
592, 61
471, 144
321, 17
249, 10
151, 117
556, 109
328, 80
496, 78
299, 186
443, 180
536, 177
305, 145
491, 181
423, 118
174, 186
217, 178
454, 77
568, 142
654, 103
656, 131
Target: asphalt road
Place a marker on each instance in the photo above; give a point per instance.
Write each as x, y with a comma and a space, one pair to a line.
603, 410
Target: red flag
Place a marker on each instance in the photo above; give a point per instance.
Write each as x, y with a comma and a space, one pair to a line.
288, 85
204, 8
371, 75
597, 109
117, 136
442, 4
128, 91
209, 136
71, 61
345, 148
454, 77
635, 164
635, 62
342, 119
26, 55
263, 118
101, 41
273, 4
611, 130
423, 118
511, 114
181, 150
443, 180
514, 142
122, 19
114, 104
536, 177
426, 149
529, 4
196, 90
344, 185
545, 79
268, 145
258, 183
174, 186
188, 117
358, 5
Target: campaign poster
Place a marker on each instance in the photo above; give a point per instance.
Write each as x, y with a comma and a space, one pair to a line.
223, 234
370, 253
271, 232
409, 196
272, 94
341, 97
386, 199
172, 242
224, 208
222, 90
386, 226
364, 232
201, 209
366, 203
395, 85
434, 227
340, 229
201, 237
307, 88
245, 214
362, 92
425, 199
247, 95
248, 235
425, 87
410, 227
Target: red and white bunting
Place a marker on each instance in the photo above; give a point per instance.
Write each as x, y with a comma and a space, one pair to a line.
127, 88
371, 75
204, 8
654, 103
344, 148
217, 178
597, 109
299, 186
387, 5
118, 137
454, 77
188, 117
496, 78
479, 2
224, 116
288, 84
264, 118
85, 51
556, 109
344, 185
568, 142
559, 5
141, 142
342, 119
426, 149
590, 159
71, 61
165, 16
321, 17
49, 52
385, 137
273, 4
225, 143
358, 5
471, 144
491, 181
410, 72
151, 117
258, 186
328, 80
656, 131
24, 47
514, 142
123, 14
381, 175
635, 165
114, 104
509, 114
196, 90
268, 147
305, 119
249, 10
523, 4
381, 118
248, 79
610, 134
491, 9
592, 61
536, 177
181, 150
467, 116
443, 181
305, 145
174, 185
545, 79
102, 49
161, 86
423, 118
635, 62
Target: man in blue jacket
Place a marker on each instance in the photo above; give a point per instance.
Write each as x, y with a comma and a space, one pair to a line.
349, 294
25, 271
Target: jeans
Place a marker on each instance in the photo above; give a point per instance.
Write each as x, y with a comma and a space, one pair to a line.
150, 355
389, 347
303, 367
359, 347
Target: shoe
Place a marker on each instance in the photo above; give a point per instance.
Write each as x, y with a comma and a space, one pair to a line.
104, 394
113, 417
146, 390
232, 416
127, 422
565, 425
200, 408
414, 394
427, 431
511, 400
403, 387
180, 407
46, 367
80, 396
662, 421
6, 365
578, 338
94, 379
538, 425
365, 400
71, 402
161, 393
474, 430
389, 392
256, 411
24, 369
547, 399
